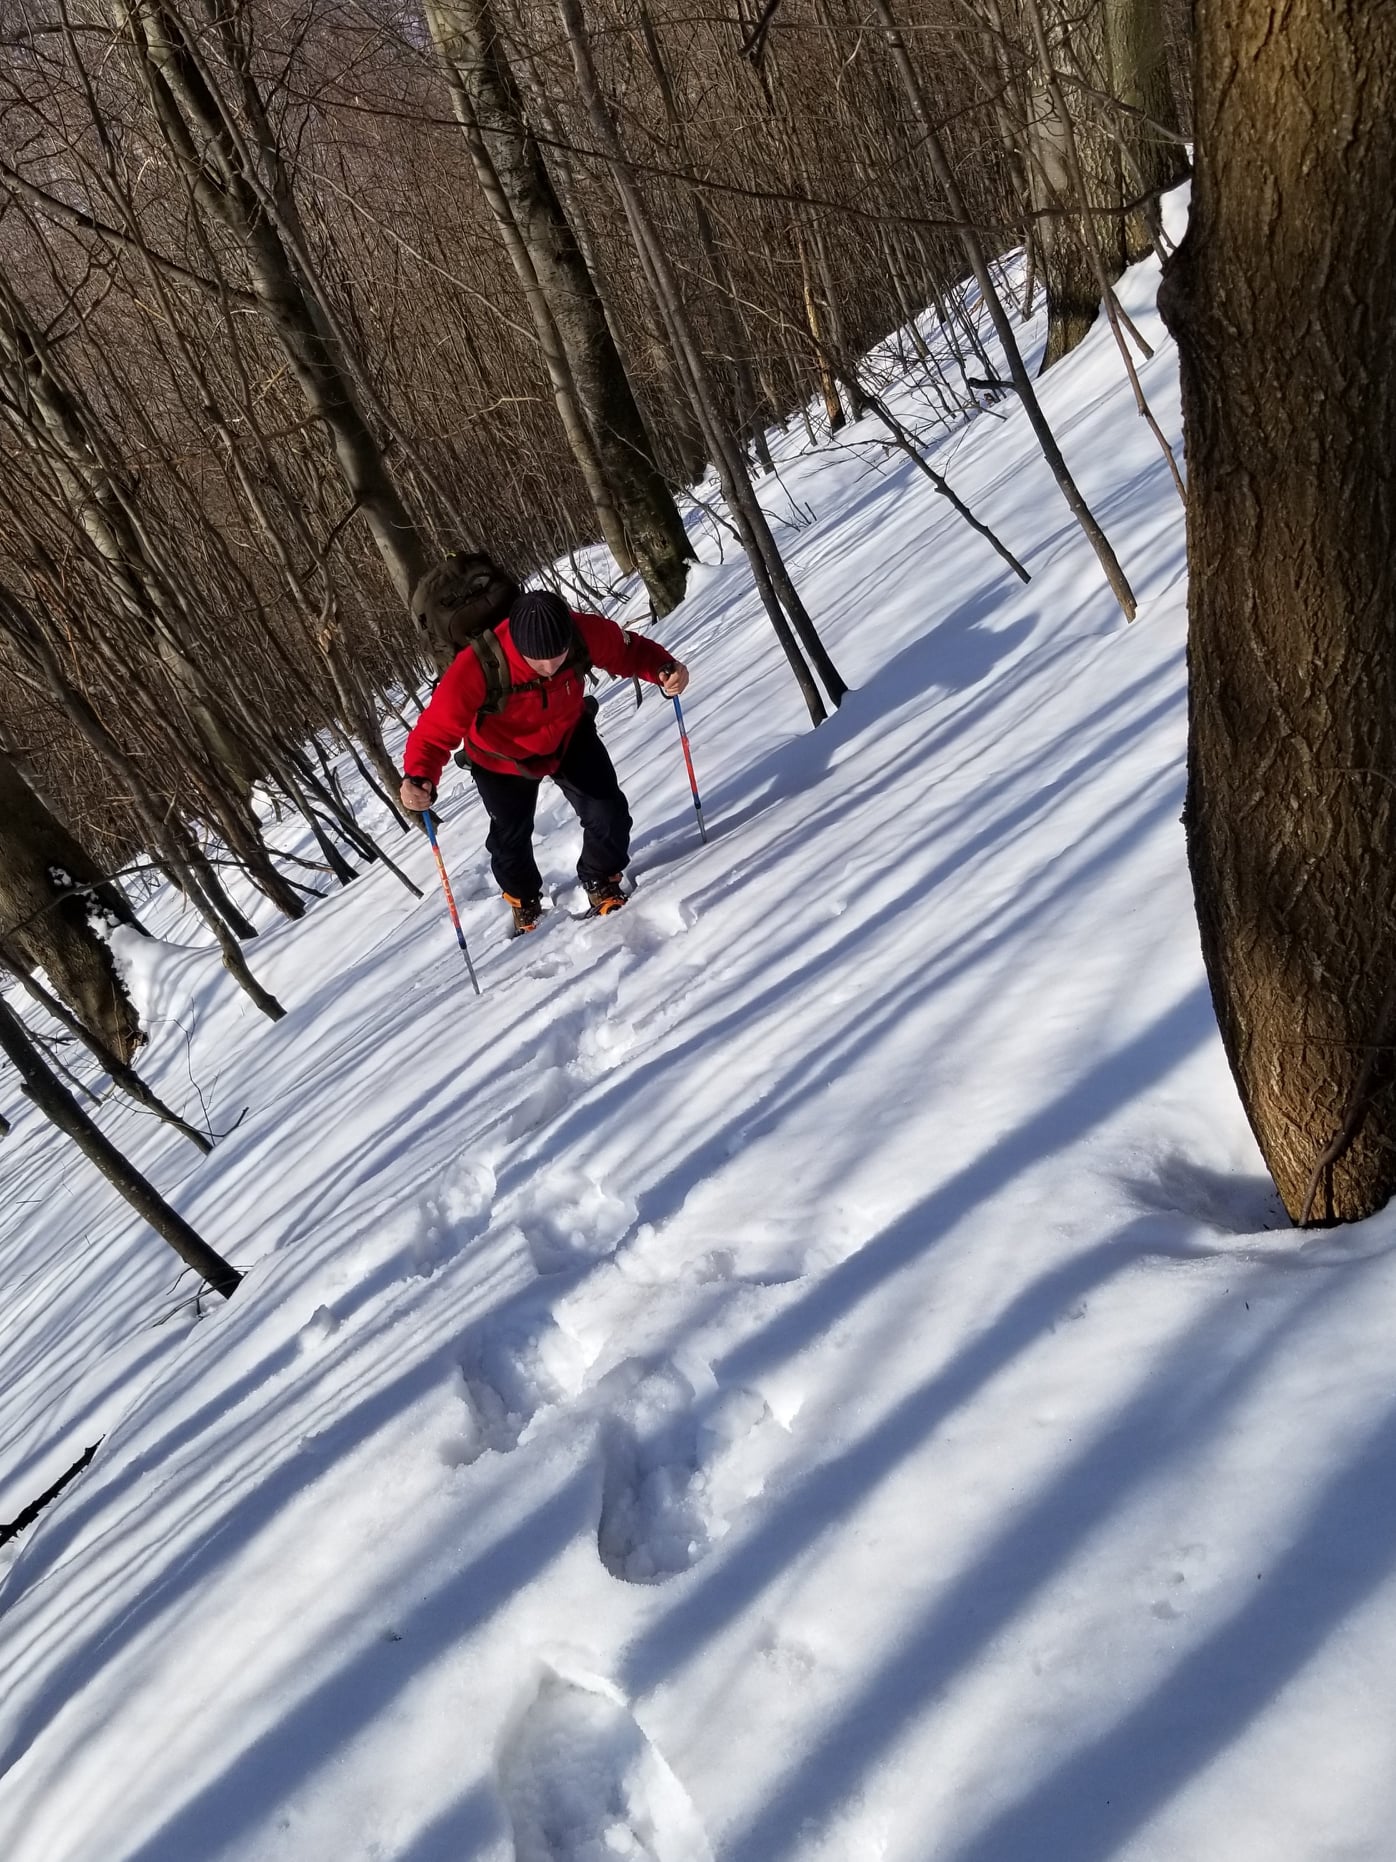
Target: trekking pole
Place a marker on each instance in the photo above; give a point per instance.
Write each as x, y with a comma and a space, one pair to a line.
692, 779
450, 901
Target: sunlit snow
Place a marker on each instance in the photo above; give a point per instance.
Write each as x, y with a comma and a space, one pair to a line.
808, 1369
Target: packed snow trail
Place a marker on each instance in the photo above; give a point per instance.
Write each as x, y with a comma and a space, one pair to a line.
804, 1369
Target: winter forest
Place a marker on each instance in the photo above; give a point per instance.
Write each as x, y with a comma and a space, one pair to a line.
297, 299
879, 1351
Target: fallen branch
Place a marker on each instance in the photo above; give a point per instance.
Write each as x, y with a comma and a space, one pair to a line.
35, 1507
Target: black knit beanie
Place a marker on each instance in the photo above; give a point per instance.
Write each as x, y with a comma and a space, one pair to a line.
540, 624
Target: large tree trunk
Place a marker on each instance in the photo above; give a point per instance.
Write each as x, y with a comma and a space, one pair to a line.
1283, 300
44, 917
1127, 156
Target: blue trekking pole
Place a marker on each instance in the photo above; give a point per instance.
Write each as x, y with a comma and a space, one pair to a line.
692, 779
450, 901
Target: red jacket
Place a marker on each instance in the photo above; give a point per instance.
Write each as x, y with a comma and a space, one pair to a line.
529, 733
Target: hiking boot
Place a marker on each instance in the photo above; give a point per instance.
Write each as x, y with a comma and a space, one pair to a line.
605, 894
527, 912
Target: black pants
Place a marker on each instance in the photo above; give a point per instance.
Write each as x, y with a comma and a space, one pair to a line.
587, 778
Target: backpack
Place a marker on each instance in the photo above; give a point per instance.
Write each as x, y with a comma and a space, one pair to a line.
460, 599
499, 687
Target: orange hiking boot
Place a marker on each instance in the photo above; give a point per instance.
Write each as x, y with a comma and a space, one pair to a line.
605, 894
527, 912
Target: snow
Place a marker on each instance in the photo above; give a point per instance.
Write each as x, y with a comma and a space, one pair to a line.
810, 1367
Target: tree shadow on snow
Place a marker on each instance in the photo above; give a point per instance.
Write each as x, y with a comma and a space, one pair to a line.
853, 1033
320, 1725
1089, 1805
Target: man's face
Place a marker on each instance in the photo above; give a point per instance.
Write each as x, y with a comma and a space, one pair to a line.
545, 668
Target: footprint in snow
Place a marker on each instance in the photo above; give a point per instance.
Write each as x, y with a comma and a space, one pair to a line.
569, 1220
457, 1211
649, 924
583, 1783
318, 1330
602, 1046
557, 1072
550, 1094
514, 1367
759, 1250
1175, 1580
558, 1048
677, 1468
546, 967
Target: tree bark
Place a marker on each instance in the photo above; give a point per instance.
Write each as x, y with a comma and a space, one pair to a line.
1154, 157
44, 921
1076, 179
1282, 297
636, 508
201, 133
778, 593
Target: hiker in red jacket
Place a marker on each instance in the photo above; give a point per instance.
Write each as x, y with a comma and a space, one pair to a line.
516, 699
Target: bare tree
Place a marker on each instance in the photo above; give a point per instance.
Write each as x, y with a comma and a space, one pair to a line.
792, 625
974, 252
604, 427
215, 125
58, 1106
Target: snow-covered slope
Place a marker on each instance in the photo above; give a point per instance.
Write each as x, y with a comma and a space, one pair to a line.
808, 1368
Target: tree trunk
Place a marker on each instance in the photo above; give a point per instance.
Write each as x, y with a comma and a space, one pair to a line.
1067, 271
828, 387
201, 134
61, 1109
1281, 297
974, 252
44, 919
1154, 157
1081, 239
170, 840
100, 497
778, 593
550, 266
732, 341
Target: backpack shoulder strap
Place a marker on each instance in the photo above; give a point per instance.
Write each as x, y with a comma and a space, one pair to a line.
488, 651
578, 657
499, 686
